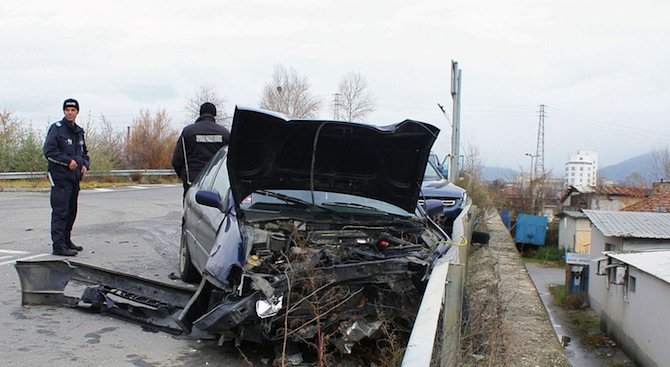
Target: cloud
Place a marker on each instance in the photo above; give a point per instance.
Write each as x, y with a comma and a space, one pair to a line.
601, 71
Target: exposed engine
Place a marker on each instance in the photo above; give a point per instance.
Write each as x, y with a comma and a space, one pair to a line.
271, 246
328, 285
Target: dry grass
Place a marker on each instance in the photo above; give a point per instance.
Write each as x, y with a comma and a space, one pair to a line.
88, 183
482, 333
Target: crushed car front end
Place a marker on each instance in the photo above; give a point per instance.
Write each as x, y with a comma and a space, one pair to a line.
322, 245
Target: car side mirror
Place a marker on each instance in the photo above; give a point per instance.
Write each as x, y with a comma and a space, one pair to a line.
208, 198
433, 207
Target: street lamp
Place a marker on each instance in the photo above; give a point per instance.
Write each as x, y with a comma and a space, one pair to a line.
530, 182
532, 156
441, 107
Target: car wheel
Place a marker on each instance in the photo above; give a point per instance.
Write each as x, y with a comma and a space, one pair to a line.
187, 271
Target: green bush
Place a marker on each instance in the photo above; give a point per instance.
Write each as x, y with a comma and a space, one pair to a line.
557, 293
549, 253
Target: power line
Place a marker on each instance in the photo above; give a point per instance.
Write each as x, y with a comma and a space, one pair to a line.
607, 125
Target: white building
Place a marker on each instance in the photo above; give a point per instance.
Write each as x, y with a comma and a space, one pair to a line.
638, 294
629, 281
582, 169
574, 232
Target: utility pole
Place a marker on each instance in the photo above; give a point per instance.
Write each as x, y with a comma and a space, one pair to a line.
336, 107
539, 160
531, 186
456, 126
539, 151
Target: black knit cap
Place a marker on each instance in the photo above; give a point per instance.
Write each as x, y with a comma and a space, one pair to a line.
207, 108
70, 102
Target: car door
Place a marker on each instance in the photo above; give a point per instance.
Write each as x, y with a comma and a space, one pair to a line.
211, 219
200, 220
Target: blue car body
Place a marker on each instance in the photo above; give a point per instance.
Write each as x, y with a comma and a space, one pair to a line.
435, 186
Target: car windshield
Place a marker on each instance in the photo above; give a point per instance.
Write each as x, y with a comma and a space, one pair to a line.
329, 201
432, 158
431, 173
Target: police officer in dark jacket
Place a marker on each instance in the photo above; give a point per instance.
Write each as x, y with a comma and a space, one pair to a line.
197, 143
65, 150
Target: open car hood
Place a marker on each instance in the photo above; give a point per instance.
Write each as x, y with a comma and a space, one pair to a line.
270, 151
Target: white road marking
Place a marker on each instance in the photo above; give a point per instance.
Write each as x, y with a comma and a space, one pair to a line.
5, 257
14, 252
23, 259
129, 188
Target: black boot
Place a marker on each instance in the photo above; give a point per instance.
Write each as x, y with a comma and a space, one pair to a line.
64, 251
72, 246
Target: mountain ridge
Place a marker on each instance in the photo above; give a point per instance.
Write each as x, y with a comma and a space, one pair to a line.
642, 164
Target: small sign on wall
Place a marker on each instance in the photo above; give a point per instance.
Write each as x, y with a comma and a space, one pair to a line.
574, 258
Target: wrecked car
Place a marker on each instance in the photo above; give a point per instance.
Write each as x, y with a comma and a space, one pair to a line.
306, 234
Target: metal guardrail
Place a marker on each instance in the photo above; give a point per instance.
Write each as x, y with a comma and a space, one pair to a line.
432, 343
112, 173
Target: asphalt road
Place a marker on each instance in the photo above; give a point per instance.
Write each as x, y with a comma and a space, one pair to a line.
135, 230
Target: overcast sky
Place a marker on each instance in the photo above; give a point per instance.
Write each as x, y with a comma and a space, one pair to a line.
602, 68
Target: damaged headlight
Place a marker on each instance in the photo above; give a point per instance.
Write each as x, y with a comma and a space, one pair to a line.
268, 307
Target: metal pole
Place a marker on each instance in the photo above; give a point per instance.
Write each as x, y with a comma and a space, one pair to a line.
336, 107
456, 126
531, 187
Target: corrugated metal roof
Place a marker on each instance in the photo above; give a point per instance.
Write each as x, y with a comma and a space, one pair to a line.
631, 224
656, 263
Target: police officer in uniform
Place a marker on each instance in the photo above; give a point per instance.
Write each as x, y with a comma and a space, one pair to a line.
197, 144
65, 150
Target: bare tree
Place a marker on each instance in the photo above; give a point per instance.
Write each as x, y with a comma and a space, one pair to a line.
635, 179
151, 141
353, 101
661, 163
289, 93
105, 146
473, 162
472, 181
208, 93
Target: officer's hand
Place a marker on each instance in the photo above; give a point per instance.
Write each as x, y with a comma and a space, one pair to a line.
83, 171
73, 165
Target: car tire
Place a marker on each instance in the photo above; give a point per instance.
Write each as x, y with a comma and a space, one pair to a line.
187, 270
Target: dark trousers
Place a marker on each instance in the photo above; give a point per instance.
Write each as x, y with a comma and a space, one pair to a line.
64, 197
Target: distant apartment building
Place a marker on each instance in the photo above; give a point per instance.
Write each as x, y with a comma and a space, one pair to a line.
582, 169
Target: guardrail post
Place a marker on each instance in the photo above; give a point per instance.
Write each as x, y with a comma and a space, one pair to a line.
451, 317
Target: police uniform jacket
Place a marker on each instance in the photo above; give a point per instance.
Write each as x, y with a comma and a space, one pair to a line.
201, 140
64, 143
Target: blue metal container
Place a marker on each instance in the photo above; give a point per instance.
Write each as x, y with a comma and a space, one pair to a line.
504, 215
530, 229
